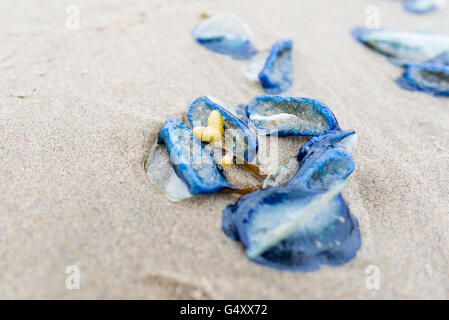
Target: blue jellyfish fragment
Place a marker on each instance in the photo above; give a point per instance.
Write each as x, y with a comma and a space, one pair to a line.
347, 139
277, 73
226, 34
191, 161
429, 78
290, 116
322, 168
324, 235
404, 47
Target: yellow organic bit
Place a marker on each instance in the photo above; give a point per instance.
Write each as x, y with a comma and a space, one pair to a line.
226, 160
207, 134
215, 120
214, 129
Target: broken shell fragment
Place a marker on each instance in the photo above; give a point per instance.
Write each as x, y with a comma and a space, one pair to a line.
243, 140
226, 34
289, 228
430, 78
289, 116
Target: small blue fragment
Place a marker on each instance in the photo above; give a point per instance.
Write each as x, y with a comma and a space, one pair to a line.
323, 167
420, 6
192, 163
277, 74
226, 34
341, 138
429, 78
245, 142
404, 47
290, 116
332, 237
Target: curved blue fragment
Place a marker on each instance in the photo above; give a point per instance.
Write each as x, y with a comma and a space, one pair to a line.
290, 116
420, 6
323, 167
429, 78
191, 161
225, 34
245, 141
341, 138
277, 74
403, 47
331, 237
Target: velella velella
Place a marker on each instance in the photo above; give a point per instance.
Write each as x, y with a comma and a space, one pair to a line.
226, 34
290, 228
404, 47
347, 139
244, 141
276, 75
193, 164
424, 55
420, 6
430, 78
322, 168
286, 116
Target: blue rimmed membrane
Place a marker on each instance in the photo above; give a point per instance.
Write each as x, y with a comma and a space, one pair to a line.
347, 139
226, 34
290, 116
403, 47
323, 167
277, 74
330, 237
420, 6
429, 78
191, 161
245, 142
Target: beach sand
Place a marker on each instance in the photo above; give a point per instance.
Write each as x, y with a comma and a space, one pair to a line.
79, 109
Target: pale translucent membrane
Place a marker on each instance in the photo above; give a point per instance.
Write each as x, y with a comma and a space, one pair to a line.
282, 174
349, 143
255, 65
226, 25
161, 174
272, 237
406, 47
222, 104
